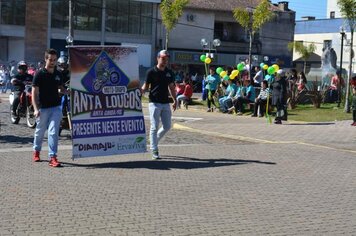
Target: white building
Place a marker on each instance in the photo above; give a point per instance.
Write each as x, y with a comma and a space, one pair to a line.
332, 9
323, 32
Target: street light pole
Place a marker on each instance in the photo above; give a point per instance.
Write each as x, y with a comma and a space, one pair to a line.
69, 38
342, 32
250, 10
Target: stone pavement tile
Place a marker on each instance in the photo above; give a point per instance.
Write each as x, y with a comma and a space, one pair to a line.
242, 189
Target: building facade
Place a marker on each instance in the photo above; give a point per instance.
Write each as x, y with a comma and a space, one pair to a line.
324, 33
211, 20
27, 27
332, 9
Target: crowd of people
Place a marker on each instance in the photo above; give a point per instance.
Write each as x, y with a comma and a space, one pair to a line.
260, 93
48, 80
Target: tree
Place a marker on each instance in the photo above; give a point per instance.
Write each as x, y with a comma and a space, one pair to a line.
348, 10
252, 20
304, 51
171, 11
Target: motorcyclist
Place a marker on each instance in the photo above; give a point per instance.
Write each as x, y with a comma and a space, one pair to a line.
63, 68
18, 82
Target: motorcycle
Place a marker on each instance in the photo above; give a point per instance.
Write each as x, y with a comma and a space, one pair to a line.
24, 109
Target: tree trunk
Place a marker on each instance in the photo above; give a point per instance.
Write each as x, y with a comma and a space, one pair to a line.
347, 103
250, 56
167, 38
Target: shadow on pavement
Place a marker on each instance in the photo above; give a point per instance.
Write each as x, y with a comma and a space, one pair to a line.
15, 139
172, 162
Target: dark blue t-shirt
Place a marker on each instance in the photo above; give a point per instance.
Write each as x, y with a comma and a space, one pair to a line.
48, 84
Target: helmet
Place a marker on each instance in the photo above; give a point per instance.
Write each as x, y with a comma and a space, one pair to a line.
62, 62
22, 65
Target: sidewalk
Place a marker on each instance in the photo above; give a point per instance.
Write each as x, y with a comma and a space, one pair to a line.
219, 175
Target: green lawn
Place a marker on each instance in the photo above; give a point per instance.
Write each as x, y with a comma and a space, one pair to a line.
305, 113
327, 112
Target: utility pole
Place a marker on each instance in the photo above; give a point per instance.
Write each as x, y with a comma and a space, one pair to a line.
70, 38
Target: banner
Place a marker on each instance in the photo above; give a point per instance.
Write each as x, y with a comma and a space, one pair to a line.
105, 100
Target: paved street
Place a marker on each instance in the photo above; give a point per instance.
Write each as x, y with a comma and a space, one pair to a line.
219, 175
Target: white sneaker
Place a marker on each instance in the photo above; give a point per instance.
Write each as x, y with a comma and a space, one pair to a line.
155, 155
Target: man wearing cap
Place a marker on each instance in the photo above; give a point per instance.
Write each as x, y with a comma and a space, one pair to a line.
160, 82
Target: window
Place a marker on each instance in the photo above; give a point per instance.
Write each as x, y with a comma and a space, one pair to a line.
13, 12
129, 17
332, 15
60, 11
87, 15
122, 16
146, 18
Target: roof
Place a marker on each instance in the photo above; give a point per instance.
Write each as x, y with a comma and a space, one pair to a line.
224, 5
321, 26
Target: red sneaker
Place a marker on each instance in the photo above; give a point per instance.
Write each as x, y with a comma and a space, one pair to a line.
54, 162
354, 124
36, 156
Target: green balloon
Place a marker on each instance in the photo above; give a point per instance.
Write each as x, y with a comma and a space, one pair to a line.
219, 70
240, 67
226, 77
202, 58
271, 70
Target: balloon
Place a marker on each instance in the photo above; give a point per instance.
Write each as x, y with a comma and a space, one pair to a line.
232, 76
240, 66
235, 73
207, 60
262, 65
202, 58
271, 70
276, 67
267, 77
226, 77
219, 70
265, 66
223, 74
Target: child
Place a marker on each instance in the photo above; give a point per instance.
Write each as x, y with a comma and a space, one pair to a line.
187, 94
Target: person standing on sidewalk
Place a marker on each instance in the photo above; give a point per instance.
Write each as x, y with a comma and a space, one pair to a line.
160, 81
212, 82
353, 86
47, 105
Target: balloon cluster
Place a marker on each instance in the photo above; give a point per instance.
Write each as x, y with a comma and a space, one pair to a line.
205, 59
270, 69
223, 74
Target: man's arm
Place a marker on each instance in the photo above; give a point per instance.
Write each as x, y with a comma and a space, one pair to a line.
63, 90
36, 100
172, 91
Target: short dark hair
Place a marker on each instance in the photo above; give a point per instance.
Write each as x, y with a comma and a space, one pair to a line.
50, 51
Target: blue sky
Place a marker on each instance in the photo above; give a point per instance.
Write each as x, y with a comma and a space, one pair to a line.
315, 8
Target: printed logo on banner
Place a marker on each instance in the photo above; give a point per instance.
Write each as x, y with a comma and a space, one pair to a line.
105, 77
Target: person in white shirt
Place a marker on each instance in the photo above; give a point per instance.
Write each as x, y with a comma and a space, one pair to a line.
258, 78
261, 100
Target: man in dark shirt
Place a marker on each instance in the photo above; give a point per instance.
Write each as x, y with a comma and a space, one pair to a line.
47, 105
160, 81
18, 82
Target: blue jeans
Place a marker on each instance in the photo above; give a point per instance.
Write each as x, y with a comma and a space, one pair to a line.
50, 119
225, 103
159, 111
